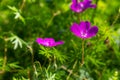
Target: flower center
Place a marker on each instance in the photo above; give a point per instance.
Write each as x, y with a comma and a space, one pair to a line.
47, 43
83, 34
82, 6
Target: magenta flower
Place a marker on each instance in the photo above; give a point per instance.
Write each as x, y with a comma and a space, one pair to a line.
80, 6
48, 42
84, 30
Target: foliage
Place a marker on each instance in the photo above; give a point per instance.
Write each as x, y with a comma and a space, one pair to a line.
21, 58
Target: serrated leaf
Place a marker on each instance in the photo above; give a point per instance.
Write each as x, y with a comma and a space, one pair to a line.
18, 15
16, 41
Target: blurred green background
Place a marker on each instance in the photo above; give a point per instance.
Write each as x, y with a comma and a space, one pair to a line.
22, 21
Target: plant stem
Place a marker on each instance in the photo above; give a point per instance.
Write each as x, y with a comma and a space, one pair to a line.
55, 65
50, 21
33, 65
22, 5
68, 70
5, 55
74, 65
79, 16
82, 62
117, 17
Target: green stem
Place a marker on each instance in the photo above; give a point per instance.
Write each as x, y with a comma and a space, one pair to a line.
117, 17
55, 65
33, 65
5, 55
22, 5
32, 54
50, 21
79, 16
82, 52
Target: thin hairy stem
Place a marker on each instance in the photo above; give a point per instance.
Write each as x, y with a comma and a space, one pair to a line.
82, 62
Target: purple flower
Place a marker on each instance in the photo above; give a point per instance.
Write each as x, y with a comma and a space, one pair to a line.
80, 6
84, 30
48, 42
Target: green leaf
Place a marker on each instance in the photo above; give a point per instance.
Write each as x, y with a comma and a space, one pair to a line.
14, 65
13, 8
16, 41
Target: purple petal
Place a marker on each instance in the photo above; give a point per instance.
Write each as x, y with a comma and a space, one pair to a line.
84, 30
75, 29
45, 41
48, 42
74, 1
58, 43
76, 7
87, 1
92, 32
88, 4
39, 40
80, 6
84, 26
92, 6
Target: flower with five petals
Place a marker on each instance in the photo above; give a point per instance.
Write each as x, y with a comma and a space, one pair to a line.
84, 30
48, 42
